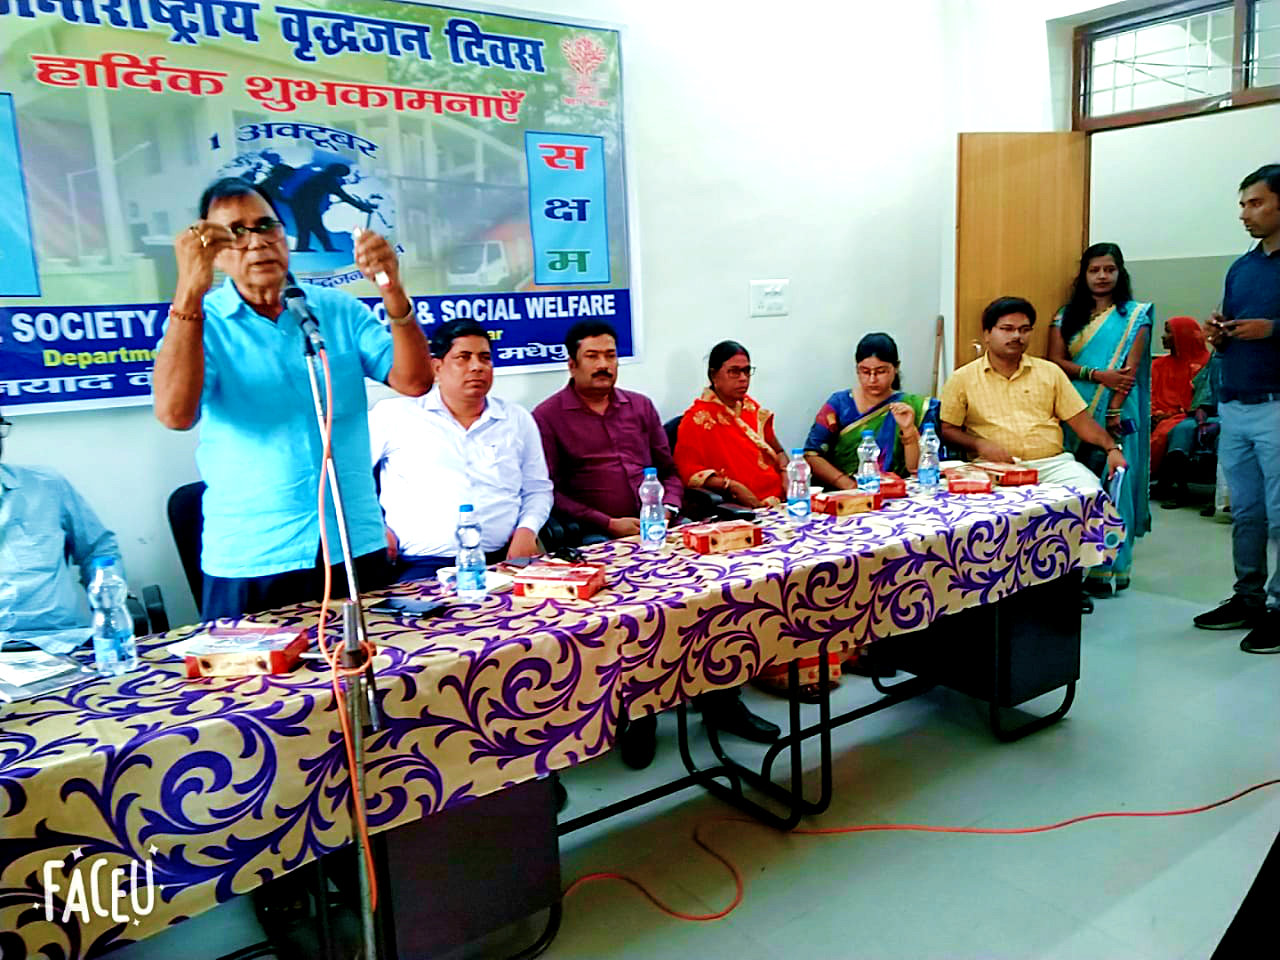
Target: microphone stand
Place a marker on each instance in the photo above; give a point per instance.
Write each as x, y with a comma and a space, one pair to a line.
360, 689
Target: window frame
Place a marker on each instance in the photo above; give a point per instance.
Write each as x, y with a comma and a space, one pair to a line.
1241, 93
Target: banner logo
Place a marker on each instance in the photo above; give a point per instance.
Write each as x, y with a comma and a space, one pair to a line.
585, 55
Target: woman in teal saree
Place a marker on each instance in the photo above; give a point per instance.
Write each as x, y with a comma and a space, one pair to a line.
1102, 341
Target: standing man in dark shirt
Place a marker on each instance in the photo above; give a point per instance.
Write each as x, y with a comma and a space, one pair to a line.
598, 439
1247, 336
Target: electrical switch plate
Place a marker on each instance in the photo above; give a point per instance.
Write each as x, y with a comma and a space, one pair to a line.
769, 298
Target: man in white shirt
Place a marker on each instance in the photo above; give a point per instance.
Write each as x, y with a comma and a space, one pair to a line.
453, 446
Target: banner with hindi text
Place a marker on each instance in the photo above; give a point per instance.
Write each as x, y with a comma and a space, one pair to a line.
488, 148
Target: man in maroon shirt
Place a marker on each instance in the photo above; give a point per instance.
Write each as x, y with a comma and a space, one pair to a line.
598, 439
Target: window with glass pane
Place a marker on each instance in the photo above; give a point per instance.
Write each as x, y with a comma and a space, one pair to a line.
1264, 60
1168, 62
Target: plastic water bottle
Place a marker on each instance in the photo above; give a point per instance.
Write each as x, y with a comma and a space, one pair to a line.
868, 464
653, 514
470, 562
928, 472
114, 649
798, 505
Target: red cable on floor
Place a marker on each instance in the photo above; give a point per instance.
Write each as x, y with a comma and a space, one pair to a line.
880, 827
670, 911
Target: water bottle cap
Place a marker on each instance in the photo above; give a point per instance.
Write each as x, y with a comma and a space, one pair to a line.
868, 433
102, 562
797, 451
465, 508
650, 471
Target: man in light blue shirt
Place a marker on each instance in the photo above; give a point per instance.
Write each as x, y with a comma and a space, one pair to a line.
233, 359
44, 523
459, 445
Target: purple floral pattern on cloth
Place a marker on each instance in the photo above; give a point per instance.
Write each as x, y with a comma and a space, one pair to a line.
235, 781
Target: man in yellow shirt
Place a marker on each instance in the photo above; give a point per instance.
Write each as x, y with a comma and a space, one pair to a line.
1006, 406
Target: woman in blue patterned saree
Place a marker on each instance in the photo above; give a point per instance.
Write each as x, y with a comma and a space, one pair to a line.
1102, 341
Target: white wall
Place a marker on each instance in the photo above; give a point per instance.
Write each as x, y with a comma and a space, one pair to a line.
765, 143
1008, 65
1169, 190
1008, 70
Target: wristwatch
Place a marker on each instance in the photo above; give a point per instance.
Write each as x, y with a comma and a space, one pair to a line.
404, 321
1116, 447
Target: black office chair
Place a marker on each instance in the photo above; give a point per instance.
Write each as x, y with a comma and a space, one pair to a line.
148, 613
700, 503
1203, 468
186, 521
561, 533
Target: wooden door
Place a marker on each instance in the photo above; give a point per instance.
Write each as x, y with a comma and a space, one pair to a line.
1021, 225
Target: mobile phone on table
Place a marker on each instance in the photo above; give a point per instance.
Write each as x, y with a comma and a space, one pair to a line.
407, 606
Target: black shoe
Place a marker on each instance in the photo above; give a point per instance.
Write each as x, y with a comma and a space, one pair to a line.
1265, 637
561, 794
1097, 588
1208, 511
867, 664
638, 742
732, 716
1235, 614
1086, 603
283, 909
348, 933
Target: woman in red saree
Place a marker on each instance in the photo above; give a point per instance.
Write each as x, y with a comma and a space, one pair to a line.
1171, 381
726, 441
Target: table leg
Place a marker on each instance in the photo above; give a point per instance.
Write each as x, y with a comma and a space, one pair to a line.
322, 910
696, 778
555, 914
1009, 734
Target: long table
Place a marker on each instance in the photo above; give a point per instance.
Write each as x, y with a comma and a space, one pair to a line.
219, 785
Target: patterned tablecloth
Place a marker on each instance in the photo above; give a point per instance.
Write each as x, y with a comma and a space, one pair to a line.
201, 790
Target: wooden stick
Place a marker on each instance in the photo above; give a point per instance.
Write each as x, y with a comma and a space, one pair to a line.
937, 354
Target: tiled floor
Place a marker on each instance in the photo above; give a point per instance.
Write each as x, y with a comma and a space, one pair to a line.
1166, 717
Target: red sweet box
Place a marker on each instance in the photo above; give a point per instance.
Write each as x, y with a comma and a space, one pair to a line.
722, 537
892, 486
968, 479
244, 653
560, 581
843, 503
1008, 474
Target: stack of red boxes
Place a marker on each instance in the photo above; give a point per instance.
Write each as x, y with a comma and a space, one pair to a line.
842, 503
967, 479
560, 581
1008, 474
722, 537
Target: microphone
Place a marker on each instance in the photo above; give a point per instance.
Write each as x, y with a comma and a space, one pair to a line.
296, 302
